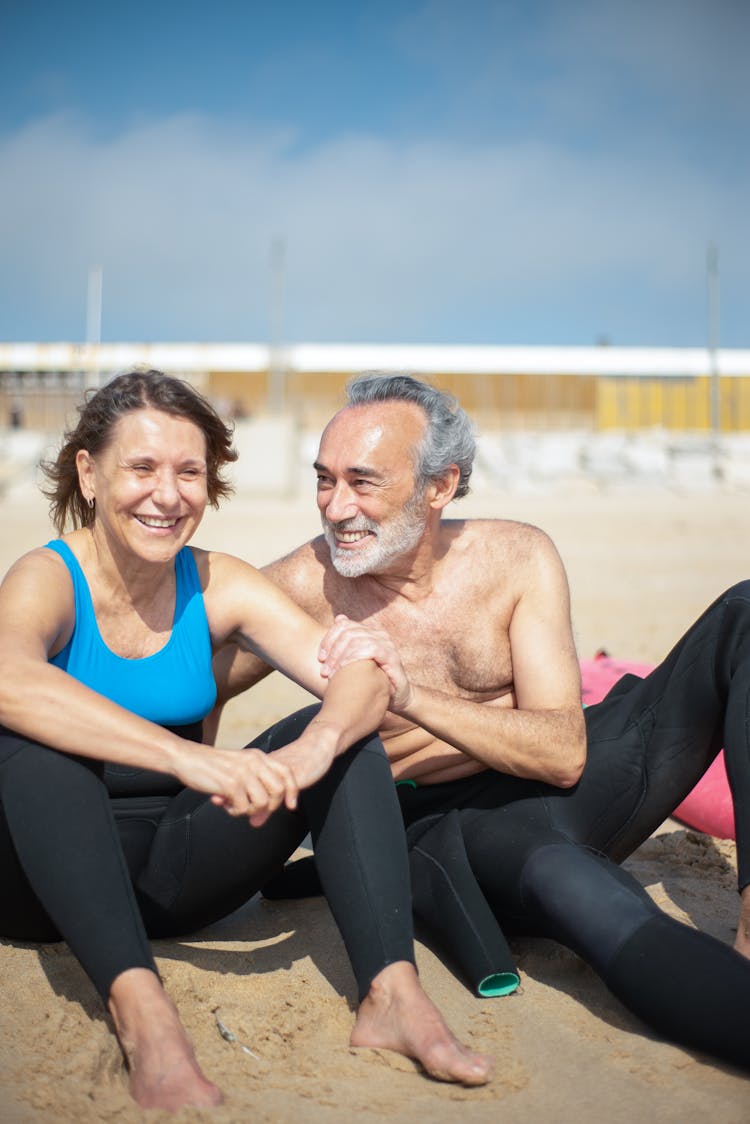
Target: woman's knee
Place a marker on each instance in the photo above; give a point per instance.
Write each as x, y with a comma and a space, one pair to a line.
358, 787
286, 730
35, 768
364, 764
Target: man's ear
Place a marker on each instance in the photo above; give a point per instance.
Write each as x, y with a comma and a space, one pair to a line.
442, 489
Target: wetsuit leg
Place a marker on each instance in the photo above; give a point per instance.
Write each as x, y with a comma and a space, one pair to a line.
202, 863
687, 986
360, 851
650, 740
63, 860
538, 882
362, 859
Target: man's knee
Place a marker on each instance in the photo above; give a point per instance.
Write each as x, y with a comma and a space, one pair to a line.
734, 632
584, 900
739, 594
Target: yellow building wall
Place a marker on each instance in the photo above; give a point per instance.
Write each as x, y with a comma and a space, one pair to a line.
47, 401
513, 400
554, 401
672, 403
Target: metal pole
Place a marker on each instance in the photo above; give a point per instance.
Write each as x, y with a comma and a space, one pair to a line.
712, 285
276, 371
93, 325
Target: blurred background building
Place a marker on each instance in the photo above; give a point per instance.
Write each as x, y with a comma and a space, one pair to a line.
601, 388
545, 415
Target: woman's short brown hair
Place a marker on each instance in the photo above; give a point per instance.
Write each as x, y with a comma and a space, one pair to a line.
98, 416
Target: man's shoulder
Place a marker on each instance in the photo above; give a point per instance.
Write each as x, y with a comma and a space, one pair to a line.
301, 572
508, 534
304, 560
520, 552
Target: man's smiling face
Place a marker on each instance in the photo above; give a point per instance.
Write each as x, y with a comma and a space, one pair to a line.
371, 511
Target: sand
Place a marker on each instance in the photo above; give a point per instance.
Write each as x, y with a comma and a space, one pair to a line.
642, 565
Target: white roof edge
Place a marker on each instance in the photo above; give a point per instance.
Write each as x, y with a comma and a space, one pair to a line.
419, 358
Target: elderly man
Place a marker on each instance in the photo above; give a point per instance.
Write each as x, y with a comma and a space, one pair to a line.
501, 777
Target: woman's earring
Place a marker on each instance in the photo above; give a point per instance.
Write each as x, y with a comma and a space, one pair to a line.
90, 502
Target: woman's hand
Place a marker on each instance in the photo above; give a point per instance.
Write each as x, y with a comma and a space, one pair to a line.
309, 757
249, 782
347, 641
245, 782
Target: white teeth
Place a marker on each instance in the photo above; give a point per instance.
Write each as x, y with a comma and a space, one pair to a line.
351, 536
152, 521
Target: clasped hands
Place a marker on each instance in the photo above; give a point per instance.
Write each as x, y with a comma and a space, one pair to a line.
348, 640
254, 784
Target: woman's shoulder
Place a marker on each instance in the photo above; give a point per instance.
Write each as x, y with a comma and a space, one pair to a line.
48, 558
218, 570
37, 596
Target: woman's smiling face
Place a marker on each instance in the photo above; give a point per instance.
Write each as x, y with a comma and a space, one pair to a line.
148, 483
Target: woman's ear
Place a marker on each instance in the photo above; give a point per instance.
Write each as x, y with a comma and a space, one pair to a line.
85, 467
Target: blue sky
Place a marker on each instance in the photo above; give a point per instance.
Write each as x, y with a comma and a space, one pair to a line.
547, 172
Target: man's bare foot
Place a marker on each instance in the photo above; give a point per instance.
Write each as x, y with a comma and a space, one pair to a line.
742, 940
163, 1070
397, 1015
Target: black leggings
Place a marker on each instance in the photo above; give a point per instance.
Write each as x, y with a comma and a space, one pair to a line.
103, 856
546, 858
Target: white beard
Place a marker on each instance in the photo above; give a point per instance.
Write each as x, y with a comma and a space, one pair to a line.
389, 541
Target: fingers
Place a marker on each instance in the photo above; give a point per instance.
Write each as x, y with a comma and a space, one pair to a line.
307, 757
339, 626
347, 641
257, 787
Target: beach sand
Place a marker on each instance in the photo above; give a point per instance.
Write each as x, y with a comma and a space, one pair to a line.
642, 564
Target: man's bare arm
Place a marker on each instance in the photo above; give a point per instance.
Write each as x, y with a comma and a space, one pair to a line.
537, 731
547, 745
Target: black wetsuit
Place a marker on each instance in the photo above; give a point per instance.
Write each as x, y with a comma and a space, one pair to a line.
104, 871
105, 856
545, 859
107, 871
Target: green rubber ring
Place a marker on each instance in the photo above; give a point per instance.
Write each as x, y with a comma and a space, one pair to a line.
499, 983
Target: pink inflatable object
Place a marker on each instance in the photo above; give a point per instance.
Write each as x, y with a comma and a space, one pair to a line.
708, 807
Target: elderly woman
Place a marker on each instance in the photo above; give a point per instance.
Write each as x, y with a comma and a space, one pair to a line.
116, 822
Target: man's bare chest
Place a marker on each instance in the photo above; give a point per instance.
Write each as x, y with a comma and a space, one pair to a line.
452, 644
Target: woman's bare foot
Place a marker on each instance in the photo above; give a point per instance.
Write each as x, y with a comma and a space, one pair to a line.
396, 1014
163, 1070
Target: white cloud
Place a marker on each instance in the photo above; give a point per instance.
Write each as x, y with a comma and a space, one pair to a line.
385, 240
636, 75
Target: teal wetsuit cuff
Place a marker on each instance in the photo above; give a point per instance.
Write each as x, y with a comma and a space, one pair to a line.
498, 983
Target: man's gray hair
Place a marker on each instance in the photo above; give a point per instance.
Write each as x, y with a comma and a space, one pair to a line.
449, 436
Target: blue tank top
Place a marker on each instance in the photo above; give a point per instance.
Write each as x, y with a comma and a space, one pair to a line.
173, 687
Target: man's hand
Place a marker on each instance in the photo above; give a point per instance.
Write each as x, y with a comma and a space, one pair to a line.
347, 641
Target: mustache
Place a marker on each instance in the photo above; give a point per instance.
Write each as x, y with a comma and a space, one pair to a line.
358, 523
